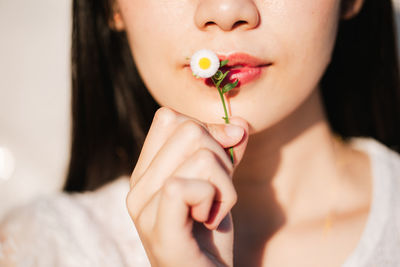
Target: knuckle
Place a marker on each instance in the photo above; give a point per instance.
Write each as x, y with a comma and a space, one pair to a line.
164, 116
205, 157
193, 130
172, 187
234, 198
210, 190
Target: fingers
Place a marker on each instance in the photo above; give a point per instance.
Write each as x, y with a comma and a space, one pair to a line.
174, 203
169, 237
181, 196
226, 135
185, 141
202, 165
184, 175
205, 165
181, 199
165, 123
188, 138
240, 147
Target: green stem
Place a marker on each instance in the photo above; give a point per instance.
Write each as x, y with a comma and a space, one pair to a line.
226, 118
223, 104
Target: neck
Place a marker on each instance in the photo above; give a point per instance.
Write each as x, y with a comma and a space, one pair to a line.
288, 166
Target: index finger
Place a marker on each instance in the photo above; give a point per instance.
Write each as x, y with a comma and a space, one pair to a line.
164, 123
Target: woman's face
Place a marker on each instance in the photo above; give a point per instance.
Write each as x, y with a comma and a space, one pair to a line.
290, 44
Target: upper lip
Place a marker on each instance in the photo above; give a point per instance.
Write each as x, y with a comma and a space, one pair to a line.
242, 59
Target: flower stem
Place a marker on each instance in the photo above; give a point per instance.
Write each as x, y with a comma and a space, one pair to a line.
226, 118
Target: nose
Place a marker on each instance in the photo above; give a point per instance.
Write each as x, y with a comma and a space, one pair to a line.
227, 14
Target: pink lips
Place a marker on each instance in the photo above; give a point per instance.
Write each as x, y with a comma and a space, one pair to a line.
241, 59
241, 66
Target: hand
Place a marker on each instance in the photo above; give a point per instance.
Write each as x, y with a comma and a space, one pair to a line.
182, 191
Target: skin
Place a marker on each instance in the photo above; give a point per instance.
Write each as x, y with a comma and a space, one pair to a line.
292, 174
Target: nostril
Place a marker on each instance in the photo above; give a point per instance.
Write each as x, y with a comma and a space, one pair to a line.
209, 23
238, 24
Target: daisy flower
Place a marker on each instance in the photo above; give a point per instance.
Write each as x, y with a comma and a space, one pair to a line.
204, 63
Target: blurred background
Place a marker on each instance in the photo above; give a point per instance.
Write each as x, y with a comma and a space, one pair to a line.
35, 97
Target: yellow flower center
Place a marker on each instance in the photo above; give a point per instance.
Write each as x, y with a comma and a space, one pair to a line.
204, 63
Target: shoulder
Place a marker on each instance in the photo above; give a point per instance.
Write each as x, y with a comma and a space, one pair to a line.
380, 155
86, 229
379, 245
385, 164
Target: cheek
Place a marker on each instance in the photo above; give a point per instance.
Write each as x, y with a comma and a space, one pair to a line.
155, 32
305, 34
306, 46
309, 35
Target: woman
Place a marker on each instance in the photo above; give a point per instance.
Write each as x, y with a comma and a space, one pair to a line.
297, 194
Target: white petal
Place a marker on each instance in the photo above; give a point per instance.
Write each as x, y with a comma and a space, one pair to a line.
197, 71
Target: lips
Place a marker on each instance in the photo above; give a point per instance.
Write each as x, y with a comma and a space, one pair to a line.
241, 59
241, 66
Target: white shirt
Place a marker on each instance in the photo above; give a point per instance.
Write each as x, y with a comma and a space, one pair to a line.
380, 241
94, 228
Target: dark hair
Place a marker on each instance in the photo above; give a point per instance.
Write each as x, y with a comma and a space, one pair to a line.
361, 87
112, 110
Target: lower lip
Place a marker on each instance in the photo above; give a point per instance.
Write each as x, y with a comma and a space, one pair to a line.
245, 75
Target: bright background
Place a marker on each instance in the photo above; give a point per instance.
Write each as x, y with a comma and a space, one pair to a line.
35, 98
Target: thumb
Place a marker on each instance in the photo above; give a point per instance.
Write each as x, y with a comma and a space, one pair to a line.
240, 147
233, 135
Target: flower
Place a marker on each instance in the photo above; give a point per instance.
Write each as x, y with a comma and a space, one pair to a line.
204, 63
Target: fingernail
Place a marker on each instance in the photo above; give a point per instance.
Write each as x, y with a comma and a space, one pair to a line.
233, 131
